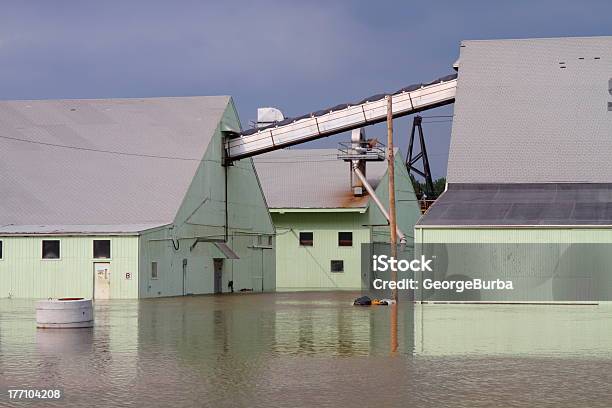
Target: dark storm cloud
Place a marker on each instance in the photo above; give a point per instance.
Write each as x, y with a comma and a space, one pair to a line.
299, 56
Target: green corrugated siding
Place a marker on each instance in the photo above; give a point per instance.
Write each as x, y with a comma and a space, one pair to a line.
308, 268
23, 274
246, 272
303, 267
530, 266
202, 215
407, 207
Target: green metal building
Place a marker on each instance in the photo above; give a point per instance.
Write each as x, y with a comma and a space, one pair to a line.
320, 223
128, 198
530, 152
529, 159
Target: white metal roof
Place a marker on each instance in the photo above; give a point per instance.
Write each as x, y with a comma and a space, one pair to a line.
311, 178
533, 111
46, 188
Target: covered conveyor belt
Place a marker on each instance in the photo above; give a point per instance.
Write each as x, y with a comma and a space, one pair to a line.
341, 118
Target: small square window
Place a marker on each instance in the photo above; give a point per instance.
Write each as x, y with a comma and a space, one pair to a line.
51, 249
306, 238
154, 274
101, 248
345, 239
337, 266
263, 241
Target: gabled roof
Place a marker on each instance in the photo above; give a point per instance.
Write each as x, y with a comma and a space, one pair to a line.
533, 111
311, 178
128, 168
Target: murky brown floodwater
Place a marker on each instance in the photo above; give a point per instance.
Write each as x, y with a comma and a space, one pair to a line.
312, 349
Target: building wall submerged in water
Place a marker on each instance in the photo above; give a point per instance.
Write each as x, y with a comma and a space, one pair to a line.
530, 150
128, 198
321, 225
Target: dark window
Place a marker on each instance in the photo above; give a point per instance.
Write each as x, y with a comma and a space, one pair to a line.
0, 249
51, 249
337, 266
306, 238
154, 274
101, 248
345, 239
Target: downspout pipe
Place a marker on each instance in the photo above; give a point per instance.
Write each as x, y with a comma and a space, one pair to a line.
381, 207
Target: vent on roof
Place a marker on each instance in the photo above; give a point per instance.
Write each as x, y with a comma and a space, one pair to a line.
268, 116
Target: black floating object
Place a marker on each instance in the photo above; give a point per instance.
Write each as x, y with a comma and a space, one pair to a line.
363, 301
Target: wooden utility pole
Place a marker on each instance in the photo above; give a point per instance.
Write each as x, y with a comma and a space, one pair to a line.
392, 220
391, 174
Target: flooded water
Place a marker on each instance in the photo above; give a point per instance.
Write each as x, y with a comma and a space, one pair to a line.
312, 349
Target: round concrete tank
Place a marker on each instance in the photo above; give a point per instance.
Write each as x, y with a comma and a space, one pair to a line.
64, 313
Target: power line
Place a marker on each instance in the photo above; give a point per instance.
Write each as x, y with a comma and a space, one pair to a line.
87, 149
153, 156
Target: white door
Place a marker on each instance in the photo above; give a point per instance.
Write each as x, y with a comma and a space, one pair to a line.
101, 280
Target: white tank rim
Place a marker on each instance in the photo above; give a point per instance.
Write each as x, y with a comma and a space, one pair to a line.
64, 313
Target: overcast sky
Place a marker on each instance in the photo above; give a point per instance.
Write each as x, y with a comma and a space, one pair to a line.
297, 55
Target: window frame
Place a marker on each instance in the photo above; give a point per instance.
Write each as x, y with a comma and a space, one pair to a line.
156, 277
331, 265
42, 249
93, 248
1, 249
340, 240
263, 241
300, 241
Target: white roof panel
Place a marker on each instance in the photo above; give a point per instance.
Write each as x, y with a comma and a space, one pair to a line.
90, 185
533, 111
311, 178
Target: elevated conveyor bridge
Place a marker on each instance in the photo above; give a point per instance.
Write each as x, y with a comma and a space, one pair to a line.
341, 118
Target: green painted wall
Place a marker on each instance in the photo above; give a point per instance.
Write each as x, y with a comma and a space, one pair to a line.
23, 274
407, 207
202, 215
579, 271
308, 268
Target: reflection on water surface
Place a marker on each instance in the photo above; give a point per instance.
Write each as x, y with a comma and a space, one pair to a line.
313, 349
